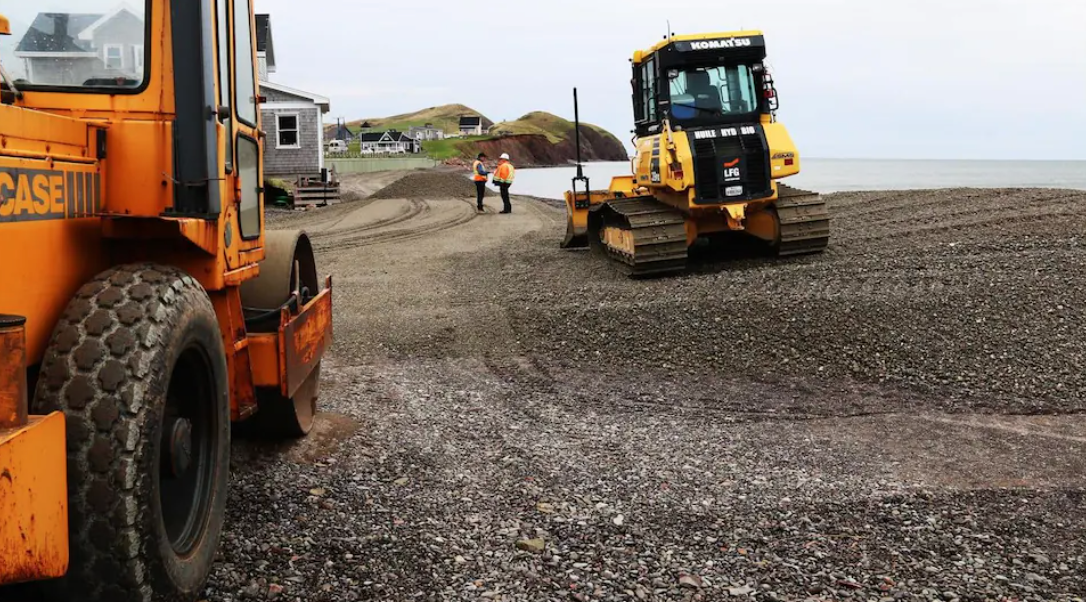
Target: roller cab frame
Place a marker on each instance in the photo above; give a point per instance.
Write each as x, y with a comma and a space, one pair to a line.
144, 308
709, 154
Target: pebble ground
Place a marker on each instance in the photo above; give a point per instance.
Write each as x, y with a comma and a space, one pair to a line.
899, 418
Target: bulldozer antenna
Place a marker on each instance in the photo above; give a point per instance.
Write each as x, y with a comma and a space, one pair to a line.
580, 177
577, 130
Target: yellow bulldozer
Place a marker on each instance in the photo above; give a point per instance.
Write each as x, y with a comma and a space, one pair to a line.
709, 152
145, 310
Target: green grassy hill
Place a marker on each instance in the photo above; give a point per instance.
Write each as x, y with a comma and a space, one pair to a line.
539, 138
555, 128
444, 117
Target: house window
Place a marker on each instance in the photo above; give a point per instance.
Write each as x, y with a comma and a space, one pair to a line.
137, 57
114, 56
288, 131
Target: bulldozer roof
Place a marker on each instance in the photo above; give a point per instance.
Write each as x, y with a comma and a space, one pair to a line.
640, 55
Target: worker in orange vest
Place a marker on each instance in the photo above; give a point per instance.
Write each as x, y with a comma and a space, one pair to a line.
503, 177
479, 174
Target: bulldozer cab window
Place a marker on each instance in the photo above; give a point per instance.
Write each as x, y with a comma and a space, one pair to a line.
249, 172
646, 89
699, 93
243, 62
649, 79
223, 35
77, 46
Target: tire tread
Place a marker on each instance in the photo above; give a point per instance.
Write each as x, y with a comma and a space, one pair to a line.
95, 371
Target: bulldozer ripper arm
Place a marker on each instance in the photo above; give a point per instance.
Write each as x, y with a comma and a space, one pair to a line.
285, 359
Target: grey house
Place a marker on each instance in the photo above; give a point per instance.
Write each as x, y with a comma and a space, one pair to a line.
78, 48
425, 132
292, 118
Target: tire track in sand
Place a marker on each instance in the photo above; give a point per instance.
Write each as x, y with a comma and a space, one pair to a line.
414, 218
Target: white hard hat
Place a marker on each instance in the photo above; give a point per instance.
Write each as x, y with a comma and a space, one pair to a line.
504, 156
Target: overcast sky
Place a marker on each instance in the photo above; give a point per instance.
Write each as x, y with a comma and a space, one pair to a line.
983, 79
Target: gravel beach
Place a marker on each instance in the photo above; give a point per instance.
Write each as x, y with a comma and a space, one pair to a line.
900, 418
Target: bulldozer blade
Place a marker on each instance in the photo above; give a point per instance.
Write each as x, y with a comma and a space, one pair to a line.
574, 240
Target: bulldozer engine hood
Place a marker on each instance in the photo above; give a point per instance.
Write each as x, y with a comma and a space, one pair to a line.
731, 163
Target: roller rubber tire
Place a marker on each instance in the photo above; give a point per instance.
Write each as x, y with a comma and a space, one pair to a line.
110, 367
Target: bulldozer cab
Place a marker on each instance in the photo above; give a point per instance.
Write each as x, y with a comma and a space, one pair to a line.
148, 113
127, 65
700, 81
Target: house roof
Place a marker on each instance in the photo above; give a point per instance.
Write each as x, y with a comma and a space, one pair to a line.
264, 41
392, 134
87, 34
470, 121
321, 101
57, 32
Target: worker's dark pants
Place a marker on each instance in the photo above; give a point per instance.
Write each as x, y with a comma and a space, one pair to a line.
508, 207
480, 192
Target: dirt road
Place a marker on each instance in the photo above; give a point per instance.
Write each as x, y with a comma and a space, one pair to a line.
900, 418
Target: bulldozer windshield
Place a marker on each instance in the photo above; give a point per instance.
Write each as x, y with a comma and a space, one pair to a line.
702, 93
74, 45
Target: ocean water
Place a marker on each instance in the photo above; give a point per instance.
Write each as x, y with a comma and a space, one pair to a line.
840, 175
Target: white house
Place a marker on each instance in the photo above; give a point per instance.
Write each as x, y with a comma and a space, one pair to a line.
471, 126
292, 118
391, 142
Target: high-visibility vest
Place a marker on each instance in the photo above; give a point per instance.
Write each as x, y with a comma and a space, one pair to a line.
477, 173
505, 173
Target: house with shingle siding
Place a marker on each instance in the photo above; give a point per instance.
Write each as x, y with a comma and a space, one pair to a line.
293, 119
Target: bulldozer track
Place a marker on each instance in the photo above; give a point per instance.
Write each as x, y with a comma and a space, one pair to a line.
658, 232
804, 221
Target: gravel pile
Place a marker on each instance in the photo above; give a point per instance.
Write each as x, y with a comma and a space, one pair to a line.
530, 426
429, 185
